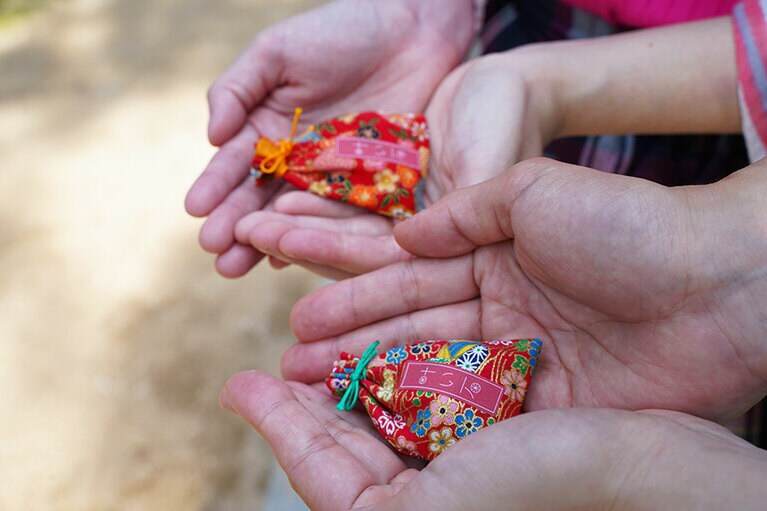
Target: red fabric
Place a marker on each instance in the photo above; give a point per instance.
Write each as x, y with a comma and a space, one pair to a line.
393, 149
474, 385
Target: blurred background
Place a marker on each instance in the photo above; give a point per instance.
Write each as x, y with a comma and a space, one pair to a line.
116, 334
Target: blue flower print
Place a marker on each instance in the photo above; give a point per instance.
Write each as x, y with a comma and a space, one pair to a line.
535, 348
367, 130
422, 422
421, 347
396, 355
467, 423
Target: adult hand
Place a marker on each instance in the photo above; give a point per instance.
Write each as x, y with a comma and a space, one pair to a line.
485, 116
349, 55
551, 459
644, 296
502, 108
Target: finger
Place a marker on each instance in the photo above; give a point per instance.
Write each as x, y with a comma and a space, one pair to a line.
322, 241
327, 272
277, 264
225, 171
307, 203
331, 255
312, 361
218, 232
306, 445
266, 239
392, 291
367, 225
241, 87
347, 252
264, 236
471, 217
237, 261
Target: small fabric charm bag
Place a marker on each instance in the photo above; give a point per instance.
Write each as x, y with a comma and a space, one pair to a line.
373, 160
425, 397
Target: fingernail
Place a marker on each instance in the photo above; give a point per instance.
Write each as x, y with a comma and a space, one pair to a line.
226, 403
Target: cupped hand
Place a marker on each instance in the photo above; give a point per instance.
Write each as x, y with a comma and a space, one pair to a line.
482, 118
551, 459
644, 296
346, 56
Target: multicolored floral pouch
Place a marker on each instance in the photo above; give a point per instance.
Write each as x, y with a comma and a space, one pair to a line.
370, 159
424, 397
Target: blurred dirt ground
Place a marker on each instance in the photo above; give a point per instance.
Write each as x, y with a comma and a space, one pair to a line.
116, 335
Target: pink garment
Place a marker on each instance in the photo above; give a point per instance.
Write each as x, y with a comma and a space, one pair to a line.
651, 13
750, 24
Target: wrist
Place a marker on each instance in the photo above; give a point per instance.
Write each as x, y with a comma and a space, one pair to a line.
727, 233
536, 69
631, 82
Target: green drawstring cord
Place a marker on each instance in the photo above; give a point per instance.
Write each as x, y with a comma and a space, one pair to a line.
352, 391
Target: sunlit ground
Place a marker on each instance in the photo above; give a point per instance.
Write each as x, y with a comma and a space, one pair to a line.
116, 335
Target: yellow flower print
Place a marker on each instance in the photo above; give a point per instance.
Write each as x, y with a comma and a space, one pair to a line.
321, 187
364, 196
386, 181
441, 440
347, 118
402, 120
386, 391
326, 143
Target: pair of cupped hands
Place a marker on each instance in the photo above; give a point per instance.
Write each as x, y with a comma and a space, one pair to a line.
651, 301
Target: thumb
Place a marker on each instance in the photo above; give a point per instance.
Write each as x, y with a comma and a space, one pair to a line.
244, 85
475, 216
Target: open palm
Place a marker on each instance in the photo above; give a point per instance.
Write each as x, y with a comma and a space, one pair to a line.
627, 283
346, 56
550, 459
480, 122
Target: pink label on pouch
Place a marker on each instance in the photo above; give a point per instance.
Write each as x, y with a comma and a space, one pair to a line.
454, 382
369, 149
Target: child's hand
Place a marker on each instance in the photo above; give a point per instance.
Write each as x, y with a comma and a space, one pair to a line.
482, 118
549, 460
346, 56
644, 296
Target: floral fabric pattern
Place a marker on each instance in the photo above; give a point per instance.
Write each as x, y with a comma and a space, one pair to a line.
472, 359
467, 423
443, 410
373, 160
424, 422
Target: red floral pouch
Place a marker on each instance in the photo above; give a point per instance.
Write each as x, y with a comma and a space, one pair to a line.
424, 397
370, 159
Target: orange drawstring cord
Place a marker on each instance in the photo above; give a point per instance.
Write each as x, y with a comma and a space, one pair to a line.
275, 156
